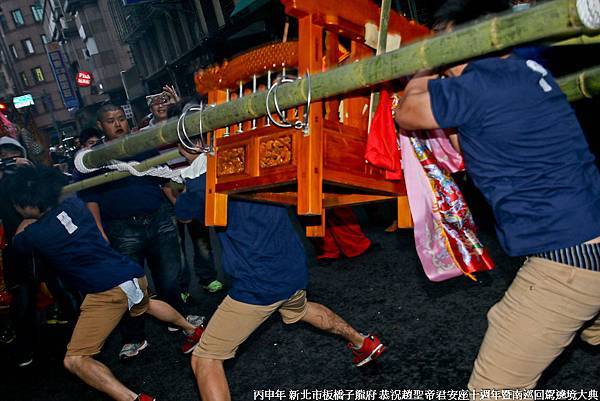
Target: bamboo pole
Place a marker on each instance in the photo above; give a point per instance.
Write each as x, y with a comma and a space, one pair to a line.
580, 40
553, 19
583, 84
110, 176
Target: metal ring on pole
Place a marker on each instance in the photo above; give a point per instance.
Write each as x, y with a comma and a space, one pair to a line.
284, 123
203, 148
182, 133
307, 109
281, 115
299, 124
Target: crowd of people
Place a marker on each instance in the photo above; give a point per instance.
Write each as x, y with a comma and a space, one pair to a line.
96, 244
524, 149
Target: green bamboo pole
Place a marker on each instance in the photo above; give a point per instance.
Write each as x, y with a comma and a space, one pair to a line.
553, 19
583, 84
110, 176
580, 40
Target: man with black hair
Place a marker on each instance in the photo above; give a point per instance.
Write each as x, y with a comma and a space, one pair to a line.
134, 215
526, 152
89, 137
67, 236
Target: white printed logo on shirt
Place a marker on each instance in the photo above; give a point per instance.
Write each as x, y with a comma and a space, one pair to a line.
542, 71
66, 221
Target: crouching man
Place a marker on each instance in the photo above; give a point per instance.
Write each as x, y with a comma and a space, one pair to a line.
266, 261
67, 236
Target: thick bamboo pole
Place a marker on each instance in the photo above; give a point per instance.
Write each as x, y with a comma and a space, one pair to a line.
554, 19
117, 175
580, 40
583, 84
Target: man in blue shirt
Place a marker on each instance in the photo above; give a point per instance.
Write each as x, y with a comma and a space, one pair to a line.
136, 218
265, 259
526, 152
67, 236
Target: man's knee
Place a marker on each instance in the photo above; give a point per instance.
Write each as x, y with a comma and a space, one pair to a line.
203, 366
73, 362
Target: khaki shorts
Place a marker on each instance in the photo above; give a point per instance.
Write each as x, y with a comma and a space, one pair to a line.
234, 321
100, 314
538, 317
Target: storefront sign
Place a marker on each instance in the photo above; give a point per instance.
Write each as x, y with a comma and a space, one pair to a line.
83, 79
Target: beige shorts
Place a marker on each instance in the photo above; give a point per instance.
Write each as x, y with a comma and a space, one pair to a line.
538, 317
234, 321
100, 314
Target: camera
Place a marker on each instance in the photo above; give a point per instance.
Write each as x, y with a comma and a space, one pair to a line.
10, 163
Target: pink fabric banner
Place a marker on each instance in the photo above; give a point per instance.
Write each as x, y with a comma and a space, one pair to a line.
444, 228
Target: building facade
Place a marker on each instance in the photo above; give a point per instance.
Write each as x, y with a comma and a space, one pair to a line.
24, 41
87, 35
171, 40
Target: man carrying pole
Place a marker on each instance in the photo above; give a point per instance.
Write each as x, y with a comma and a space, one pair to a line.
526, 152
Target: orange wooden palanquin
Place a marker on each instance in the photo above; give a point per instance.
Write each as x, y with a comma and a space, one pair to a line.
325, 168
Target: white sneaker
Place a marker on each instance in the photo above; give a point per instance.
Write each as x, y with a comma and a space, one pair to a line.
133, 349
194, 320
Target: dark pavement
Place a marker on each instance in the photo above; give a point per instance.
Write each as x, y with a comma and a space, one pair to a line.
433, 331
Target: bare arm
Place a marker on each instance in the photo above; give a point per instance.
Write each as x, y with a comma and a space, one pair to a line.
24, 224
453, 136
414, 108
94, 208
169, 193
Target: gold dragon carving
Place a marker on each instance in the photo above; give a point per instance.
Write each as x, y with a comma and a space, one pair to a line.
276, 151
231, 161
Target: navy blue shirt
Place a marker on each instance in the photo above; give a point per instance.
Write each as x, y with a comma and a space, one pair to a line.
130, 196
67, 236
525, 151
260, 248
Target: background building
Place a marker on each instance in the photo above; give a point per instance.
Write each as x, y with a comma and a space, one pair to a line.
24, 41
86, 34
171, 40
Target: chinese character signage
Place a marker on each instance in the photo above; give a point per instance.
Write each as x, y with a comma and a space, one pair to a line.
61, 75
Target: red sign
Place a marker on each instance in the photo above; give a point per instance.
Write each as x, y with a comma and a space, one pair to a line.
83, 79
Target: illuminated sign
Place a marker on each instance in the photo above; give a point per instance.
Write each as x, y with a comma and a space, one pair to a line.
23, 101
83, 79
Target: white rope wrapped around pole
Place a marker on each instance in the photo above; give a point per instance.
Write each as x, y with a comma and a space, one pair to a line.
129, 167
589, 13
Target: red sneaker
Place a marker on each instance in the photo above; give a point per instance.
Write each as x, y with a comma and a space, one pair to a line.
371, 349
192, 340
145, 397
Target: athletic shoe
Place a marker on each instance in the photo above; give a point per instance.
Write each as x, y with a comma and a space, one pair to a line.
213, 286
53, 315
194, 320
133, 349
7, 335
192, 340
25, 360
371, 349
144, 397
